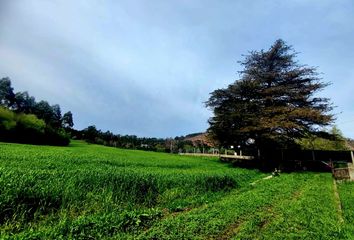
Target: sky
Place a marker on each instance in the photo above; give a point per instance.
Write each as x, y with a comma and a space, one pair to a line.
146, 67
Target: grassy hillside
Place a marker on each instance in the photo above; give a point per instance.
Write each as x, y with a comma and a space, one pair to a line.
93, 192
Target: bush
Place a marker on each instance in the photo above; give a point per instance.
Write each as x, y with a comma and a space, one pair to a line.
30, 121
27, 128
56, 137
7, 119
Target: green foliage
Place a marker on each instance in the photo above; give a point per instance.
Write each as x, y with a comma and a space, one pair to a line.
24, 102
312, 142
27, 128
57, 137
44, 111
7, 119
322, 144
30, 121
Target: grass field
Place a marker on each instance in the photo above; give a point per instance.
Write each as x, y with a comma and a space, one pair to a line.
93, 192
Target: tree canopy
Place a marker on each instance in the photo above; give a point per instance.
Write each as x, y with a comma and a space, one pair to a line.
7, 96
68, 120
273, 103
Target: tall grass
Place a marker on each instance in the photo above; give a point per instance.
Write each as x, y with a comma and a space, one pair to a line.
67, 191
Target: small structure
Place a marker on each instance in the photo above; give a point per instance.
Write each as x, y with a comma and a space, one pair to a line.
344, 173
233, 158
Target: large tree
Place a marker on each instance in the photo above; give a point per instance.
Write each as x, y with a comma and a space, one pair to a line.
273, 103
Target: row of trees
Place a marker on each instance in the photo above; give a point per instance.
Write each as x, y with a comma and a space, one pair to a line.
173, 145
22, 119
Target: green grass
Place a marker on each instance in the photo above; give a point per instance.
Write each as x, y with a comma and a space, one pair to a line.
346, 193
102, 192
94, 192
306, 212
292, 206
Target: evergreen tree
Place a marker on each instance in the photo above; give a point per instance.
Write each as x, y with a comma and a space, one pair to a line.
273, 103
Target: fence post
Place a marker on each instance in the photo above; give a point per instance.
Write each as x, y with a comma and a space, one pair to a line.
352, 156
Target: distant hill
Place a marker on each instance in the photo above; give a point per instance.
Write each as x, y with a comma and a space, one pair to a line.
193, 134
200, 138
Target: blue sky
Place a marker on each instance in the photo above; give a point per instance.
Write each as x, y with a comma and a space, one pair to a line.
146, 67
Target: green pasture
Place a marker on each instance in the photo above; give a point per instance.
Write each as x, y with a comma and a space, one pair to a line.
94, 192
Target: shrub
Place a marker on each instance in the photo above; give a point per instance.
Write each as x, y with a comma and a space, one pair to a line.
7, 119
56, 137
30, 121
27, 128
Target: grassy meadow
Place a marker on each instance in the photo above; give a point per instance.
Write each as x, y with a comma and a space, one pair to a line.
94, 192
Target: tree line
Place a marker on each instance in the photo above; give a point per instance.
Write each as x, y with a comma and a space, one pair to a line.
24, 120
171, 145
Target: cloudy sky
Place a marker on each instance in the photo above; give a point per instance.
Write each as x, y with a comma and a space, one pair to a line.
145, 67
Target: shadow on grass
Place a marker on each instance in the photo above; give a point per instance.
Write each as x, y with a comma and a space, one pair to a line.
268, 166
